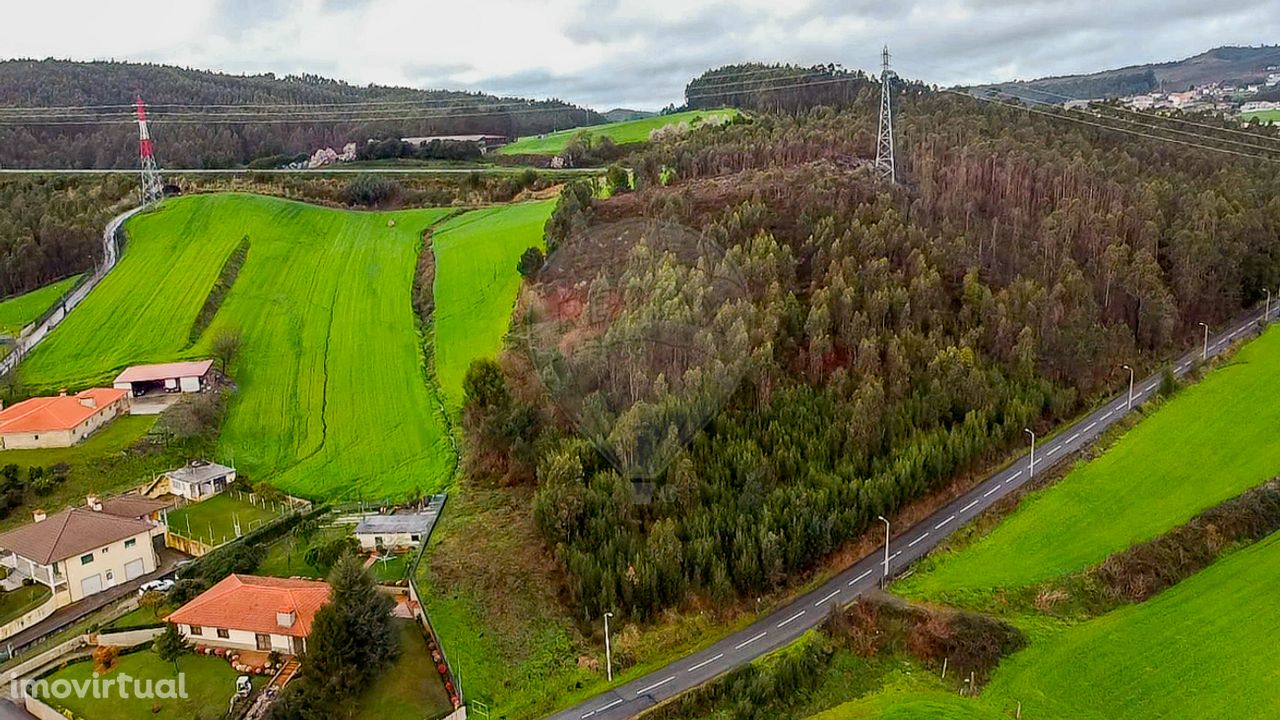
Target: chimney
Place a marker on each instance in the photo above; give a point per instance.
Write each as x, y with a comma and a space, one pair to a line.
93, 503
88, 401
62, 392
285, 616
38, 515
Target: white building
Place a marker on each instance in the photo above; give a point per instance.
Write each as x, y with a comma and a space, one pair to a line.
196, 480
187, 377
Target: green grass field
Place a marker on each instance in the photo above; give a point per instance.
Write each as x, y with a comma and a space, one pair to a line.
1266, 116
21, 600
630, 131
1202, 649
333, 401
919, 705
1209, 443
213, 521
17, 311
476, 284
410, 688
209, 684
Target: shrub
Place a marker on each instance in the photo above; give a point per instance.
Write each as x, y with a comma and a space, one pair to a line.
530, 262
104, 658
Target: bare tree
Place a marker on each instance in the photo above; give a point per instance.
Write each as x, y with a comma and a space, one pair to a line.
226, 346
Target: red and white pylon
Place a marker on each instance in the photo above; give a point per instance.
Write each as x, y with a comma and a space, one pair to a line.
152, 183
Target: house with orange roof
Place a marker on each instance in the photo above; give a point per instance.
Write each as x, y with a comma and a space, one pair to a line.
248, 612
60, 421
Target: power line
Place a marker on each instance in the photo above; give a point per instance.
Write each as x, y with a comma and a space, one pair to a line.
1112, 128
214, 119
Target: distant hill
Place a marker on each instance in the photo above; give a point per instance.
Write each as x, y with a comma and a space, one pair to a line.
183, 141
625, 114
1243, 64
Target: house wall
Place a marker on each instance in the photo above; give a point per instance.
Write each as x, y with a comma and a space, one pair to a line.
369, 541
111, 558
66, 438
189, 384
239, 639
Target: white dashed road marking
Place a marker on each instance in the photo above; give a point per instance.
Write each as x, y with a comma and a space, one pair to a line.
1107, 415
859, 577
705, 663
602, 708
745, 643
1090, 426
658, 684
793, 617
1073, 438
830, 595
1053, 449
944, 522
966, 507
991, 492
913, 542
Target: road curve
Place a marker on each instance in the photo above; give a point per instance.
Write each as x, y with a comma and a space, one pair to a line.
787, 623
28, 340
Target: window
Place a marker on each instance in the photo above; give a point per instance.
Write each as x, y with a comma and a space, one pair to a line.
130, 543
224, 633
104, 550
86, 559
415, 538
197, 630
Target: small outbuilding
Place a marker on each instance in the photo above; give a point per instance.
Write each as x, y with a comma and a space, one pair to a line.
196, 480
187, 377
392, 532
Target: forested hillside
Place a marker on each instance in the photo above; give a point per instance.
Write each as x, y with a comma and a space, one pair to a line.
184, 139
885, 339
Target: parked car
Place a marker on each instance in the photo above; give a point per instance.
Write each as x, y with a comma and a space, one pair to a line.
157, 585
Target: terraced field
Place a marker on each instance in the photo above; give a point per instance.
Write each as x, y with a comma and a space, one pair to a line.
16, 312
1211, 442
629, 131
476, 285
332, 398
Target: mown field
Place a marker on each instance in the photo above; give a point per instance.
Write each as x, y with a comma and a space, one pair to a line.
332, 399
476, 284
1211, 442
1203, 649
1267, 116
630, 131
919, 705
17, 311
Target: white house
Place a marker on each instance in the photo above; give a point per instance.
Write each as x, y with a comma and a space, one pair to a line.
390, 532
248, 612
187, 377
79, 552
196, 480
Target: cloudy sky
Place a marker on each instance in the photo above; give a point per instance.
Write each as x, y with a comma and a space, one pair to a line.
607, 53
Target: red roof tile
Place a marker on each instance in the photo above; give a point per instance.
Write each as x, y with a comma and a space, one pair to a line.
63, 412
249, 602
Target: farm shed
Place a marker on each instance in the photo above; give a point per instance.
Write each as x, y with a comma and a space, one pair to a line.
187, 377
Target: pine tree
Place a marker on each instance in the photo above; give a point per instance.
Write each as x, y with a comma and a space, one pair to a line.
170, 645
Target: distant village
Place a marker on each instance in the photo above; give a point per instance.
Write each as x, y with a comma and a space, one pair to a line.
1227, 97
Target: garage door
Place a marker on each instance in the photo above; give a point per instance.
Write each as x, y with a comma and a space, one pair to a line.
133, 569
91, 585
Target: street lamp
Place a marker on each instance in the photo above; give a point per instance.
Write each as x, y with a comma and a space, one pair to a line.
1031, 470
1266, 314
885, 580
608, 653
1204, 354
1130, 406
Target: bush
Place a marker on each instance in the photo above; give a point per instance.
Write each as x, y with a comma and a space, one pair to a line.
104, 658
371, 190
186, 590
530, 262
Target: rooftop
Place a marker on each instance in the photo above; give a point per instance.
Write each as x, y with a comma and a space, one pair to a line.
198, 471
407, 523
69, 533
164, 371
249, 602
62, 412
133, 506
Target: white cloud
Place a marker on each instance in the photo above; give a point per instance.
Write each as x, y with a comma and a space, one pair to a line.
623, 52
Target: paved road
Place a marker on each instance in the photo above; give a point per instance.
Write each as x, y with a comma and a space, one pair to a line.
27, 342
789, 622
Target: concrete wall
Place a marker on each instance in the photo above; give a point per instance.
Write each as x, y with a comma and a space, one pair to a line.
186, 545
31, 617
41, 710
128, 638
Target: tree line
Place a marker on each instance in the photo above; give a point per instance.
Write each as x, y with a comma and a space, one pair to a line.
890, 338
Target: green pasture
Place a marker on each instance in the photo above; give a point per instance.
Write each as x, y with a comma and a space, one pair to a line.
476, 285
1266, 116
332, 399
18, 311
1212, 441
214, 520
622, 133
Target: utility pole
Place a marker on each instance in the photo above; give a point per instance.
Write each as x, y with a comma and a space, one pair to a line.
885, 165
152, 184
1204, 354
608, 652
1031, 469
1130, 405
1266, 314
885, 580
